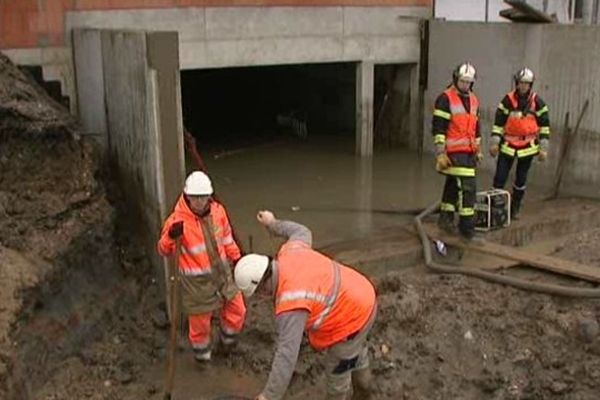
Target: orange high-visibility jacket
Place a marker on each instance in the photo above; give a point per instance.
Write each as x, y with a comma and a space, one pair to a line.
460, 137
521, 129
339, 299
194, 260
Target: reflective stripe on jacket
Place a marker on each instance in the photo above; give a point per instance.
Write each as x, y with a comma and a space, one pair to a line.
460, 137
203, 283
338, 298
194, 258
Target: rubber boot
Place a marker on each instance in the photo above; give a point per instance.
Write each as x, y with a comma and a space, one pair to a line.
362, 384
515, 205
446, 221
202, 356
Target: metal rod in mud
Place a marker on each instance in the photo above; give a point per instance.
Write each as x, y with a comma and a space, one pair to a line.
174, 302
192, 149
566, 151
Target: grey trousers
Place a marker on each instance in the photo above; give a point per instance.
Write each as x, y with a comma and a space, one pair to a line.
345, 357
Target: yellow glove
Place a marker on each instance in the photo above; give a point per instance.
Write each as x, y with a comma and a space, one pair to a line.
494, 150
542, 155
442, 162
479, 157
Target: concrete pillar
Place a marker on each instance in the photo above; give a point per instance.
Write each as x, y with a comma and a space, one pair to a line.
365, 73
587, 11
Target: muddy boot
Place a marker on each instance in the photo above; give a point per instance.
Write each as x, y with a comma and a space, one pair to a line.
202, 355
228, 342
471, 238
362, 384
515, 208
446, 222
515, 204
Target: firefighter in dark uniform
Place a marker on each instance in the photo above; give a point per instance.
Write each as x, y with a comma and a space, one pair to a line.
455, 128
521, 131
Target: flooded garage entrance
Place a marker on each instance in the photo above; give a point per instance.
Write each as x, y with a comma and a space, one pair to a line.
282, 138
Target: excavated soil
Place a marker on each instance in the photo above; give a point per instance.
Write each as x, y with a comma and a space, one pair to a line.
82, 318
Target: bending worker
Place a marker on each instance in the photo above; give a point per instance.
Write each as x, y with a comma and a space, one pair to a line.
334, 304
521, 130
207, 253
455, 127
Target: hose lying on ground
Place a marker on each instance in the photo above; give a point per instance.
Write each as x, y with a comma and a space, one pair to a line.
557, 290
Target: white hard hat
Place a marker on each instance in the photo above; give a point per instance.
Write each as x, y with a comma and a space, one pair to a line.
465, 71
198, 184
249, 271
524, 75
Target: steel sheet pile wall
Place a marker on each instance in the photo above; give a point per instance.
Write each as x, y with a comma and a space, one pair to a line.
570, 75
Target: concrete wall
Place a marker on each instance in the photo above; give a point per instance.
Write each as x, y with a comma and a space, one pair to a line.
141, 107
565, 59
41, 23
87, 45
214, 37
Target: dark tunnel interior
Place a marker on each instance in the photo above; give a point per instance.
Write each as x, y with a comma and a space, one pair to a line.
235, 107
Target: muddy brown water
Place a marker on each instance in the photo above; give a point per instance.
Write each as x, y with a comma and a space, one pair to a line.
323, 185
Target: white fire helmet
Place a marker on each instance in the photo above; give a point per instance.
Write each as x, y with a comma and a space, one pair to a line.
465, 71
249, 272
524, 75
198, 184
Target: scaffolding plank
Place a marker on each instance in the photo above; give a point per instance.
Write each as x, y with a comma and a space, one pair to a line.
539, 261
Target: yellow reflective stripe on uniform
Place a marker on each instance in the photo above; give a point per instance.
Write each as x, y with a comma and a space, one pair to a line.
529, 151
459, 171
498, 129
503, 109
545, 130
447, 207
506, 149
439, 139
542, 111
466, 212
442, 114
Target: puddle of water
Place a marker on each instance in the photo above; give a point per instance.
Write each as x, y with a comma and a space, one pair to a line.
321, 184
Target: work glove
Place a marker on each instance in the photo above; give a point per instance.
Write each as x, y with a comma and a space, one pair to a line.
495, 146
176, 230
442, 162
479, 157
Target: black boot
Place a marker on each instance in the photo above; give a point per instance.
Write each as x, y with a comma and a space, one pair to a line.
446, 221
515, 204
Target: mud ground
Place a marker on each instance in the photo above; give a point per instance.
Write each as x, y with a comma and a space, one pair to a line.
82, 318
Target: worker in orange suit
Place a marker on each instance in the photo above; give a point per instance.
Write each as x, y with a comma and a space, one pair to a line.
208, 252
334, 304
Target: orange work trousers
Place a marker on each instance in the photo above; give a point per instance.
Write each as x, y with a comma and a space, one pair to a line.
232, 315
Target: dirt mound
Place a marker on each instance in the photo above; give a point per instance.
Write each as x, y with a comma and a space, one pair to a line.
25, 108
55, 222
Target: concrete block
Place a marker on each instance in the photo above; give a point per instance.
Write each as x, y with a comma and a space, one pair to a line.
189, 22
89, 74
272, 51
260, 22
